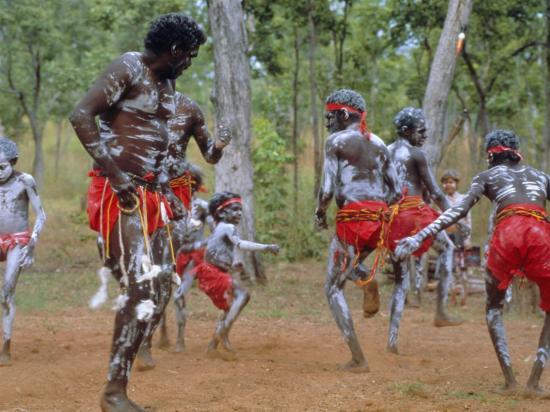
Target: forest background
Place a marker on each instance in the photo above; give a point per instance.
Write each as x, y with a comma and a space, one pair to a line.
298, 52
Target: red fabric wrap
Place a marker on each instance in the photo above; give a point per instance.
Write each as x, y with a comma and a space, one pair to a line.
184, 259
216, 283
413, 216
520, 246
331, 107
361, 232
182, 188
9, 241
103, 210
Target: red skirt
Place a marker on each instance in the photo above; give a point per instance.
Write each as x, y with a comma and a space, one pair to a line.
359, 224
103, 210
181, 186
520, 246
9, 241
216, 283
184, 259
413, 215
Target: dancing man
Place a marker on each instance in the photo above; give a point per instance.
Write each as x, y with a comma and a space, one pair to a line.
519, 246
129, 196
17, 243
358, 172
417, 181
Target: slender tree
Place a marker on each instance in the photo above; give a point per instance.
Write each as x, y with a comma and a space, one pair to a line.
441, 77
231, 99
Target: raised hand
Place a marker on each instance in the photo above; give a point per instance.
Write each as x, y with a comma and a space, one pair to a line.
223, 137
273, 249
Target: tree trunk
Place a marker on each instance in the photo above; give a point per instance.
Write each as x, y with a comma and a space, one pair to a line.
295, 130
231, 99
546, 139
441, 77
38, 161
317, 155
58, 139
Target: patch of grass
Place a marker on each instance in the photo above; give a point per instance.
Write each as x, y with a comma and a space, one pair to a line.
468, 395
413, 390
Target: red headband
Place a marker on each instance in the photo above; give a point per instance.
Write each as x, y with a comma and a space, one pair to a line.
502, 149
330, 107
228, 202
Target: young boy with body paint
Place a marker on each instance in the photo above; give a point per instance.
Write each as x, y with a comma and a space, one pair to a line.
519, 246
213, 273
17, 243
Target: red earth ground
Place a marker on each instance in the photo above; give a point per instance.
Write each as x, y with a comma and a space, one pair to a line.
286, 361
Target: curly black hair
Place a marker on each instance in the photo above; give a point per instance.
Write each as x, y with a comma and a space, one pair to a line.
347, 97
505, 138
408, 117
174, 28
9, 148
217, 200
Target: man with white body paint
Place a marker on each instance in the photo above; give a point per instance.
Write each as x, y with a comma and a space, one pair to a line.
417, 182
129, 196
17, 243
188, 121
520, 242
359, 174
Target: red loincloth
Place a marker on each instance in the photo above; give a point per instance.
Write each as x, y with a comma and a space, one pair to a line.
360, 223
103, 210
216, 283
520, 246
184, 259
412, 216
9, 241
181, 186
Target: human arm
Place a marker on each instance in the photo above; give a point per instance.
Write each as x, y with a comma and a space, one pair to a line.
106, 92
328, 184
211, 149
427, 178
391, 180
451, 216
190, 247
30, 186
242, 244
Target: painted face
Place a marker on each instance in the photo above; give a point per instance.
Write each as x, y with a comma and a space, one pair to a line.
182, 61
449, 186
331, 122
418, 135
232, 213
6, 169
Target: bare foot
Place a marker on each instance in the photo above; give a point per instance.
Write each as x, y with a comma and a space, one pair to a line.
144, 359
535, 392
5, 359
221, 353
371, 299
180, 346
118, 402
447, 321
392, 349
164, 342
508, 389
355, 367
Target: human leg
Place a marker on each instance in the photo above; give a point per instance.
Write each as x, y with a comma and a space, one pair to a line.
239, 299
181, 309
397, 303
445, 247
543, 352
135, 309
339, 264
11, 275
493, 310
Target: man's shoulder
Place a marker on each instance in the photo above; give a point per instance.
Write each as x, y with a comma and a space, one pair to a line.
25, 178
131, 62
185, 103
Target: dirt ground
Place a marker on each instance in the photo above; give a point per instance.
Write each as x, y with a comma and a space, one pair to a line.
288, 360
